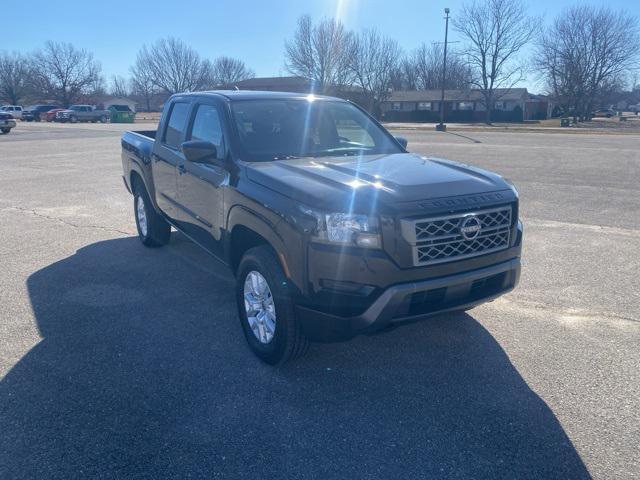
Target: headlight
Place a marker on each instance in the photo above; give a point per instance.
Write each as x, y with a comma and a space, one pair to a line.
346, 229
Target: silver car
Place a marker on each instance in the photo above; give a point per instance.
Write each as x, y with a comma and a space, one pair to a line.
6, 122
14, 110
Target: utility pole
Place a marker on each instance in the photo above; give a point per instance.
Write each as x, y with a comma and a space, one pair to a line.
441, 127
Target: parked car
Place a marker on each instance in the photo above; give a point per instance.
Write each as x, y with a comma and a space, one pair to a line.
7, 122
50, 116
14, 110
330, 226
635, 108
35, 112
82, 113
605, 112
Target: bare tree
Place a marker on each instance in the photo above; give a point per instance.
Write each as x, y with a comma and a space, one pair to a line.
584, 54
227, 70
174, 67
407, 76
374, 60
64, 73
494, 32
427, 62
320, 53
14, 77
119, 86
142, 83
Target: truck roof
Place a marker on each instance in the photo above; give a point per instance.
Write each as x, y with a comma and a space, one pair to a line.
255, 95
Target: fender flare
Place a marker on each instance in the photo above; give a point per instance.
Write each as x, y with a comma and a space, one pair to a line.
240, 215
144, 173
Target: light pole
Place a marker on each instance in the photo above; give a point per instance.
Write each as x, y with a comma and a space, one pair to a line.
441, 127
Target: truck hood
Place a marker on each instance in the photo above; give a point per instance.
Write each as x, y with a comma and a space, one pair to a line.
372, 181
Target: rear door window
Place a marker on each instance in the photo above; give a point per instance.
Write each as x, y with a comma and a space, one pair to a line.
176, 125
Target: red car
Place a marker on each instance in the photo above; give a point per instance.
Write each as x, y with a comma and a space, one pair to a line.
50, 115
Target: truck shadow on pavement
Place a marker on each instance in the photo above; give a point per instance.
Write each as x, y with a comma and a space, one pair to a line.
142, 372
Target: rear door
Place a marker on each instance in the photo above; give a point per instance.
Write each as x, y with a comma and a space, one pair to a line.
86, 113
167, 155
201, 186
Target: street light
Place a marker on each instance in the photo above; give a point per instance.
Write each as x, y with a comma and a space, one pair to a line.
441, 127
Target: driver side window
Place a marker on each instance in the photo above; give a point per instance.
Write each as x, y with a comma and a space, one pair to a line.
207, 127
352, 132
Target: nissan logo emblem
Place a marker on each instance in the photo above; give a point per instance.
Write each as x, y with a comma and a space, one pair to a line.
470, 227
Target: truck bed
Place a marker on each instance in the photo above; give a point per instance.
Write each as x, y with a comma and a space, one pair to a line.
139, 144
145, 133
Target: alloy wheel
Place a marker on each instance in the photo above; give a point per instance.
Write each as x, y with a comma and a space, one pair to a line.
260, 307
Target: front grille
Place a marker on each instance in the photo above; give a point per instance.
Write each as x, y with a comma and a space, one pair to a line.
458, 236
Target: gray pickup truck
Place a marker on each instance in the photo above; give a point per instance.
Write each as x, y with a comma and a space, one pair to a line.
82, 113
330, 226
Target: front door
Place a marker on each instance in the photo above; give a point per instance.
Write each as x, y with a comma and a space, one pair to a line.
166, 157
200, 186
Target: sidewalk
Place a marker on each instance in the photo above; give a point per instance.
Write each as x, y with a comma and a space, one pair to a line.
596, 126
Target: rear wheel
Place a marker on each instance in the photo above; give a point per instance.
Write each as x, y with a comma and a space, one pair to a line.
5, 130
153, 230
266, 308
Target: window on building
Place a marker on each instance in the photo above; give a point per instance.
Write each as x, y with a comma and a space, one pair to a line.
176, 125
498, 106
396, 106
424, 106
465, 105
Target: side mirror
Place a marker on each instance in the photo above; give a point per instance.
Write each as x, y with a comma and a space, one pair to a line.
402, 141
199, 151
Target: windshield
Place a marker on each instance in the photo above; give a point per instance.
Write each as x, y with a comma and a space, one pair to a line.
290, 128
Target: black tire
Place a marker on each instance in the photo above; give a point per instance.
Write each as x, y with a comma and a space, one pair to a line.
288, 342
73, 119
5, 130
157, 231
103, 119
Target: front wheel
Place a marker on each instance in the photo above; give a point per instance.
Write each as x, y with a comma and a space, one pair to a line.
73, 119
266, 308
153, 230
103, 119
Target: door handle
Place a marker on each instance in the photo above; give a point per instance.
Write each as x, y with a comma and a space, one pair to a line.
181, 169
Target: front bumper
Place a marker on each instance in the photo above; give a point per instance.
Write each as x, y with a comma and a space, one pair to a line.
415, 300
7, 123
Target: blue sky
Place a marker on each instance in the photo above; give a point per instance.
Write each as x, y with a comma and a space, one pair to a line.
252, 30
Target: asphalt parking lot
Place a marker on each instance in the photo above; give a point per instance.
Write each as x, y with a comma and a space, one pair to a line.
118, 361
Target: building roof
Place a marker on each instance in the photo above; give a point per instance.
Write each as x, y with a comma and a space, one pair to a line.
470, 95
112, 99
